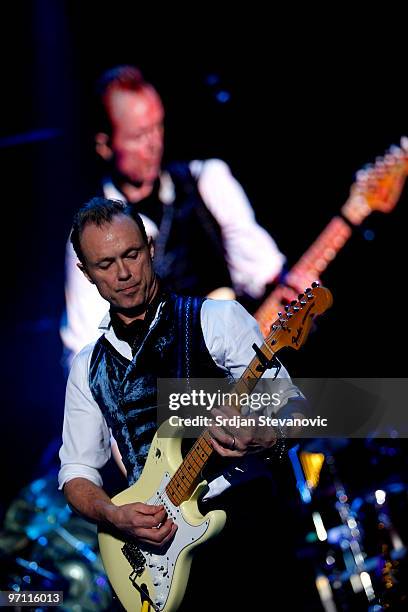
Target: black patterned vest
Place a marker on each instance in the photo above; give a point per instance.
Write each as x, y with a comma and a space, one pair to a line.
126, 391
189, 252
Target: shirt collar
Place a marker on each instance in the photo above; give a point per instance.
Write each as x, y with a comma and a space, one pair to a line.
121, 345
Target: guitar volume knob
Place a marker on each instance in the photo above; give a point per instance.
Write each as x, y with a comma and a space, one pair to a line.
153, 560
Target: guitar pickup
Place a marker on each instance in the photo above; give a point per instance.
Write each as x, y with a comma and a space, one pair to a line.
135, 557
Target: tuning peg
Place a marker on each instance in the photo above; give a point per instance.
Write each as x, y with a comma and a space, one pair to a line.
315, 284
293, 303
280, 314
404, 143
300, 296
303, 302
308, 290
361, 175
296, 308
389, 160
394, 150
286, 308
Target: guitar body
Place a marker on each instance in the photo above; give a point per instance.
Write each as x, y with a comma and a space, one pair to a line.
164, 572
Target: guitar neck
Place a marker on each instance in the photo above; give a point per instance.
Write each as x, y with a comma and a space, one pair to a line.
318, 256
309, 267
186, 478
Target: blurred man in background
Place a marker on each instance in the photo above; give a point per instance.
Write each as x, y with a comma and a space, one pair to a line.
207, 241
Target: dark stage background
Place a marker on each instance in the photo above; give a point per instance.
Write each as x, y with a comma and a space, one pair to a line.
294, 122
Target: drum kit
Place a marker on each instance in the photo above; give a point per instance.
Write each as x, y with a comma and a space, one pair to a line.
357, 514
44, 546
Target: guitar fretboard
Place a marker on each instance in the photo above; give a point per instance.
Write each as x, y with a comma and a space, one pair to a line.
309, 267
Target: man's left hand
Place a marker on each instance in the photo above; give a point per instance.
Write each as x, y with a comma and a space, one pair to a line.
234, 438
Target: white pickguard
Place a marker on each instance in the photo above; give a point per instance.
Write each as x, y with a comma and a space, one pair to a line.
161, 567
161, 575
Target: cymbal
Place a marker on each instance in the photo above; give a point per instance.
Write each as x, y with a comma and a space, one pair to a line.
38, 509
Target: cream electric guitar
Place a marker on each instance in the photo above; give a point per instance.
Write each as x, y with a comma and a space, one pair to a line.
377, 188
142, 576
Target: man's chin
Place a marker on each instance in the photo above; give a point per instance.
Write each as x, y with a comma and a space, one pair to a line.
131, 309
151, 174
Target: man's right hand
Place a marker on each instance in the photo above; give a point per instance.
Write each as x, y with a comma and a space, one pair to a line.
149, 524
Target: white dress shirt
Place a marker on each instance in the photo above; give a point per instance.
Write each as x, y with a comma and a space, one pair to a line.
229, 332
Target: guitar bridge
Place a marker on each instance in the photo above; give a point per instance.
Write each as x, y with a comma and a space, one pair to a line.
135, 557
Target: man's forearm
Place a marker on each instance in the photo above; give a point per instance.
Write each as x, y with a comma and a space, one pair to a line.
89, 500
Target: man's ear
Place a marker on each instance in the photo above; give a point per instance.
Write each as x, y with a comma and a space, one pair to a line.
84, 272
150, 244
102, 146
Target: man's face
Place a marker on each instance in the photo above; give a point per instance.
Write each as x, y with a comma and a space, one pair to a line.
118, 262
136, 141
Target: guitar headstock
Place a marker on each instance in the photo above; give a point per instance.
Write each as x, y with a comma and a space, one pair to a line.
378, 186
292, 326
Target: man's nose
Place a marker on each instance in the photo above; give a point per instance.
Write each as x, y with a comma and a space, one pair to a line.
123, 271
154, 137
